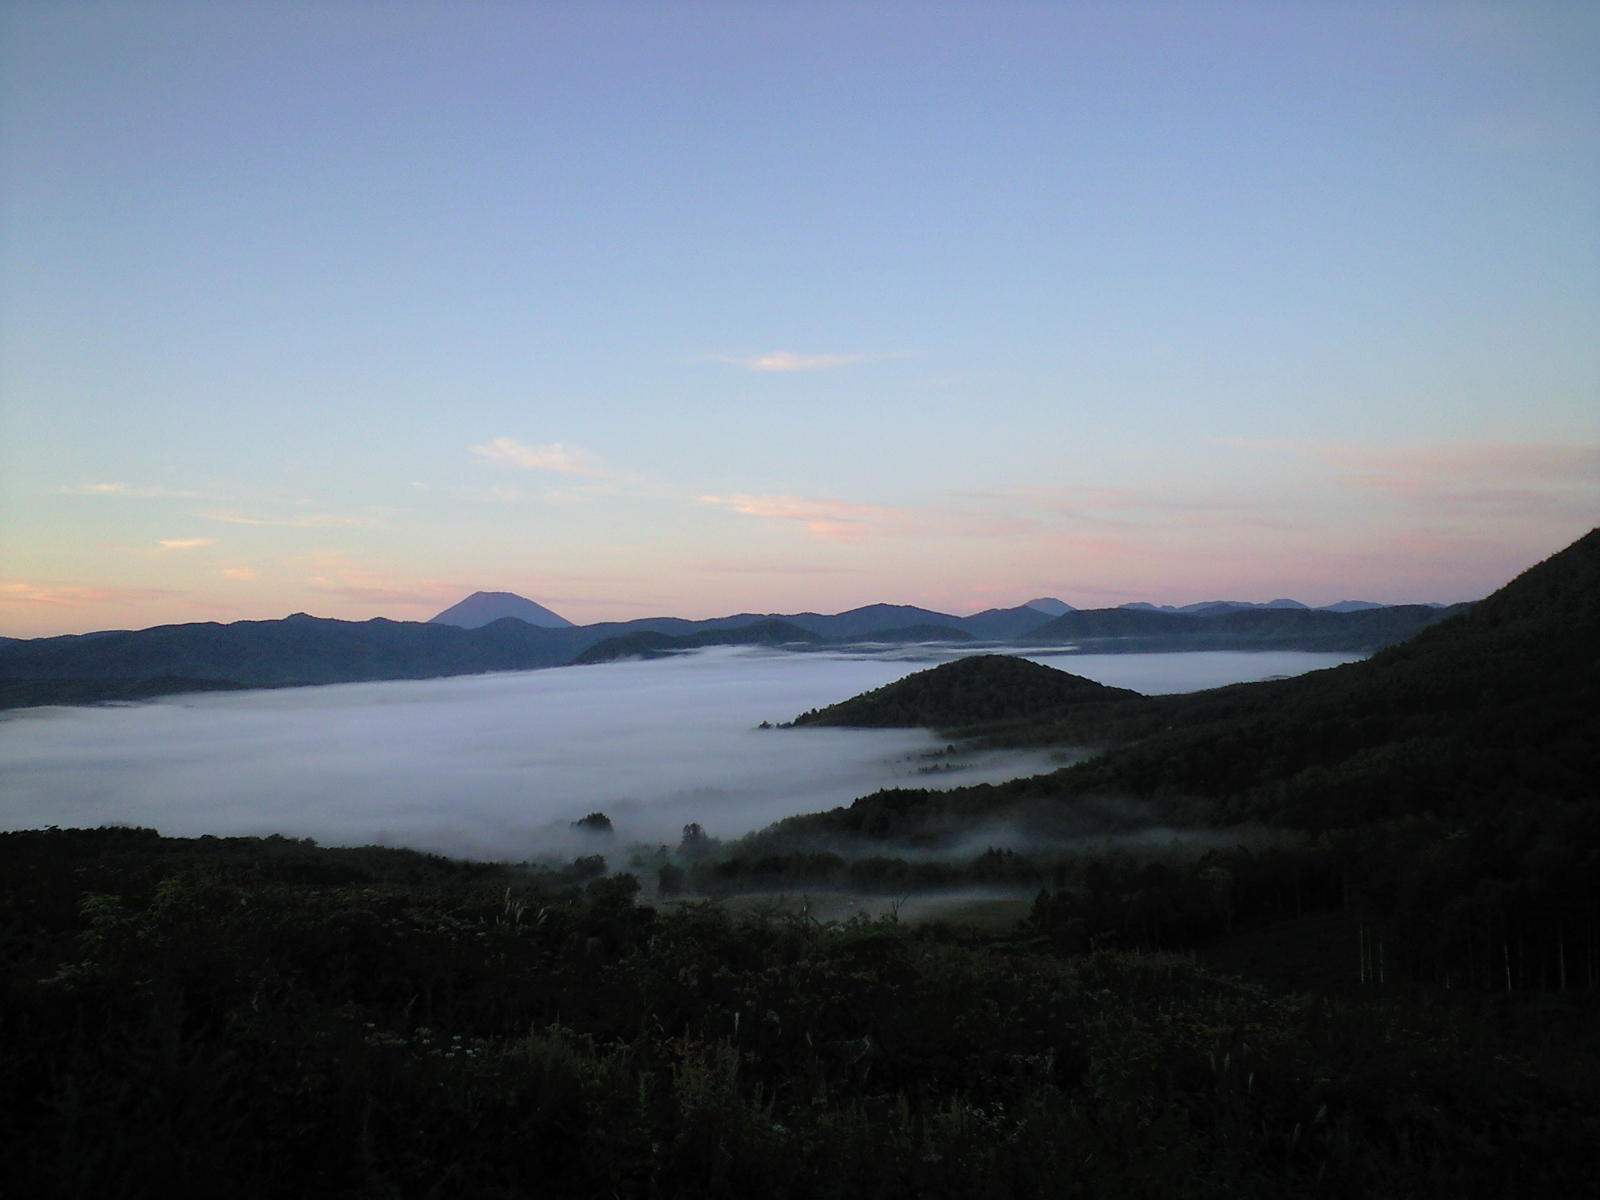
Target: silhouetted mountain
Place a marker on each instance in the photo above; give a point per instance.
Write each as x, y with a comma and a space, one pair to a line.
1207, 608
1004, 624
911, 634
482, 608
649, 644
1050, 606
857, 621
1130, 629
767, 632
985, 687
1211, 608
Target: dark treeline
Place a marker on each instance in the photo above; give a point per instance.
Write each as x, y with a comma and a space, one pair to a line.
264, 1018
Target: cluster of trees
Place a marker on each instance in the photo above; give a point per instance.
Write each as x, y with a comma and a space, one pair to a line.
265, 1018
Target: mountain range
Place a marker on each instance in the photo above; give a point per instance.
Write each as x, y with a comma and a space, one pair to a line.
1207, 608
301, 649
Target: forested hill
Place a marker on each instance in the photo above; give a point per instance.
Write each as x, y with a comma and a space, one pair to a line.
986, 687
1494, 708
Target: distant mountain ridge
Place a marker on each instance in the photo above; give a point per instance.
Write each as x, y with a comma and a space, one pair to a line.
304, 650
1208, 608
1131, 630
649, 644
482, 608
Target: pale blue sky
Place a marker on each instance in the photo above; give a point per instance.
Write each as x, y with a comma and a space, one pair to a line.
1111, 302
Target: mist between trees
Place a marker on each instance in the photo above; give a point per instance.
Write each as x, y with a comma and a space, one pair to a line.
1510, 904
260, 1017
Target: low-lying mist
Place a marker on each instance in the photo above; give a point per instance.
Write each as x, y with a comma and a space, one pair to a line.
498, 766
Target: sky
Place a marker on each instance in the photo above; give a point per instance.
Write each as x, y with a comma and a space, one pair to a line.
667, 308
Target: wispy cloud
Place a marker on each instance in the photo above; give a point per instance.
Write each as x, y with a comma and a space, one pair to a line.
186, 543
70, 595
1512, 480
240, 573
830, 520
123, 489
339, 576
1577, 461
788, 360
1545, 462
553, 456
826, 520
573, 495
310, 521
740, 566
1129, 507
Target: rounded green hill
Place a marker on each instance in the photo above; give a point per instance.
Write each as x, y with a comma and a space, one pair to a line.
985, 687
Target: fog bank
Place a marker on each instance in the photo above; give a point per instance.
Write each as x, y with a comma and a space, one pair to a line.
496, 766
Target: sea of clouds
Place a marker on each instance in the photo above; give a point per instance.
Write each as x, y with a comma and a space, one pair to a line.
497, 766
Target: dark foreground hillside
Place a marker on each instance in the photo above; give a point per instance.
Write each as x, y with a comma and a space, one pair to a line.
266, 1019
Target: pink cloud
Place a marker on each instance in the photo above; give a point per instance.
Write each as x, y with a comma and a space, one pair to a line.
787, 360
844, 521
75, 595
825, 520
1521, 481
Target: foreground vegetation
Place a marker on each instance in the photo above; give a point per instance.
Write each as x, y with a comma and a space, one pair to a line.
264, 1018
